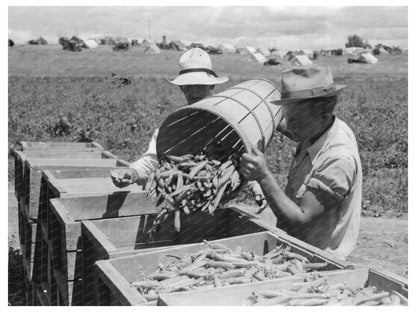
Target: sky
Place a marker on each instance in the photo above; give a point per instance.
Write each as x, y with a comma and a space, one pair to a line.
298, 27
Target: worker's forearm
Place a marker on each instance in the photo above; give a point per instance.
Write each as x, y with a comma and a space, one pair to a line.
282, 206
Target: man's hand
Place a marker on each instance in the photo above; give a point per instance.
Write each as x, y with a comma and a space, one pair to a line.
124, 177
253, 167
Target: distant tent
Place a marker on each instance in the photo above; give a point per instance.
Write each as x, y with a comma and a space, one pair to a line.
152, 49
11, 43
121, 46
367, 58
246, 50
121, 40
136, 42
278, 53
177, 45
264, 51
39, 41
147, 42
78, 40
300, 60
353, 50
186, 43
380, 50
91, 44
307, 52
227, 48
257, 57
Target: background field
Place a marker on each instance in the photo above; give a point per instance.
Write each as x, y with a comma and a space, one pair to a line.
46, 82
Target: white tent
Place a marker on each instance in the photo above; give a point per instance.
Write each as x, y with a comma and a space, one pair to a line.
264, 51
307, 52
367, 58
91, 43
227, 48
247, 50
257, 57
147, 42
278, 53
300, 60
152, 49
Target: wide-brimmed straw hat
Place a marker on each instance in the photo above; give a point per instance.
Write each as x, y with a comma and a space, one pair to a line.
307, 83
196, 69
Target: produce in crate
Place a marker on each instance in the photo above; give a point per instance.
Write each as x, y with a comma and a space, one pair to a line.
189, 183
218, 266
315, 290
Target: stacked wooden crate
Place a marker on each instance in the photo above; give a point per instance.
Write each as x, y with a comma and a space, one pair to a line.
63, 159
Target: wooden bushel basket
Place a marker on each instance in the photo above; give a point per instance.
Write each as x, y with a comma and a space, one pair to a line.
224, 125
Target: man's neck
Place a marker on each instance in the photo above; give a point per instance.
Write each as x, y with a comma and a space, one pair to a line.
315, 138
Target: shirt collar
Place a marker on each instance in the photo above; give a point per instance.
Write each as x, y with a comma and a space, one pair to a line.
314, 149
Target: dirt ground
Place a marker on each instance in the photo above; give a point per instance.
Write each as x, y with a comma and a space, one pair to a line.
382, 244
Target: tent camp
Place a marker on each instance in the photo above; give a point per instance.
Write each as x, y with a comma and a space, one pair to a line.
227, 48
264, 51
380, 50
257, 57
300, 60
91, 44
152, 49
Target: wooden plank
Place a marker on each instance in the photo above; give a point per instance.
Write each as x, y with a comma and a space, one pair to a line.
26, 145
237, 294
77, 173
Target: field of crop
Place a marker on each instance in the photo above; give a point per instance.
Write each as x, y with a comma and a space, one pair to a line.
46, 82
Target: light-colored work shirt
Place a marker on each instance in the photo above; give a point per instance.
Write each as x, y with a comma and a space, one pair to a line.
331, 165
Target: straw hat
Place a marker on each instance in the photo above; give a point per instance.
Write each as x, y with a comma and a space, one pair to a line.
196, 69
306, 83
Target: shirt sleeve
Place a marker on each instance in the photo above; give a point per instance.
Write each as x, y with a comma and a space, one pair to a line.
334, 177
148, 162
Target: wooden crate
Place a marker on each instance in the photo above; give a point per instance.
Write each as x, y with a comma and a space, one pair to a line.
68, 188
26, 150
64, 228
112, 238
112, 277
33, 173
236, 295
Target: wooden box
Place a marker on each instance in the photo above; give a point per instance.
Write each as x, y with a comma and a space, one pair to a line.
112, 238
113, 276
237, 295
64, 231
35, 166
50, 150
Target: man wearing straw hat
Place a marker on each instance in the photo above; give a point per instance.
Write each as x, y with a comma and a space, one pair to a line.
321, 203
196, 80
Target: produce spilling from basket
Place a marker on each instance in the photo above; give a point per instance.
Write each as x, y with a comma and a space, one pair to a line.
188, 183
315, 290
218, 266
